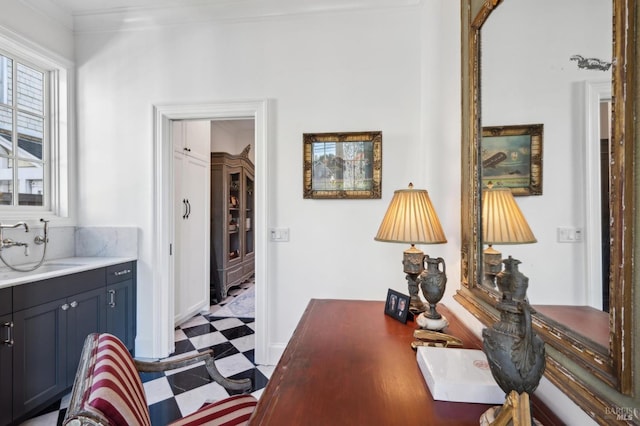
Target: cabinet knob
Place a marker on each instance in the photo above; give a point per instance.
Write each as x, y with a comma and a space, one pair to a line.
9, 340
74, 304
64, 307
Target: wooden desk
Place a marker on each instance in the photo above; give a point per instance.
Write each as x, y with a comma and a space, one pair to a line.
349, 364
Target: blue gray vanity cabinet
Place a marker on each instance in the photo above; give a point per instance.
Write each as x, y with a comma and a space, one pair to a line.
121, 302
51, 320
6, 352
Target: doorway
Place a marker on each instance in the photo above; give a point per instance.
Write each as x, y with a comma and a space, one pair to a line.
597, 156
163, 210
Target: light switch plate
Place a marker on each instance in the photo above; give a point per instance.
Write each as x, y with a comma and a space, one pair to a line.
570, 235
279, 234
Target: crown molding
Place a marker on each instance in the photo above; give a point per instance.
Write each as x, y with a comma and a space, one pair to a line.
139, 18
52, 11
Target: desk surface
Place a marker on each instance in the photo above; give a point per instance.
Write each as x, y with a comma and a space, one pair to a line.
349, 364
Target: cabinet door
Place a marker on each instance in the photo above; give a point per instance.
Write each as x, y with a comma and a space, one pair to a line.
235, 217
193, 138
6, 369
198, 138
248, 246
39, 355
192, 237
86, 315
121, 312
180, 218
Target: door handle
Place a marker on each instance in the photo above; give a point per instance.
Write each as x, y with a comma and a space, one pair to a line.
9, 340
188, 208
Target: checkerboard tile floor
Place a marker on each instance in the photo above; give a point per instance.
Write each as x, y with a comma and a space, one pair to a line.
176, 393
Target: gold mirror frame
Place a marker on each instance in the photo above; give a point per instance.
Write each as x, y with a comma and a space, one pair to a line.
598, 379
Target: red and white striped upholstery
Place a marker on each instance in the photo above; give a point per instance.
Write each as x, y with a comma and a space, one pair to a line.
108, 392
232, 411
115, 389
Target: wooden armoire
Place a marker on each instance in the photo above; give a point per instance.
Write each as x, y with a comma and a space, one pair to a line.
232, 217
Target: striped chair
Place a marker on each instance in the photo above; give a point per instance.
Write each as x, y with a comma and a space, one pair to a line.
108, 391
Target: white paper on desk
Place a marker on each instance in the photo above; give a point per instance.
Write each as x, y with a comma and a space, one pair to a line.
459, 375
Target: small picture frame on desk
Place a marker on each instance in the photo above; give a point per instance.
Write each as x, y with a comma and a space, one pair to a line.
397, 306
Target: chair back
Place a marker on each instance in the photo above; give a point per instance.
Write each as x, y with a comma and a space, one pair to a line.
107, 388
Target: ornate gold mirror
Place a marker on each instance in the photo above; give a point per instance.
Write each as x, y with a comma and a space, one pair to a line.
499, 62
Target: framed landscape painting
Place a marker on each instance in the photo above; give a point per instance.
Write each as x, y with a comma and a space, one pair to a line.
512, 158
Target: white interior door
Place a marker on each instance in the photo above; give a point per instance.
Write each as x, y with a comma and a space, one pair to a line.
195, 240
192, 223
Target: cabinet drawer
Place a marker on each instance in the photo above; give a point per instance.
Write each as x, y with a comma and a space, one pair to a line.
234, 275
39, 292
5, 301
248, 268
120, 272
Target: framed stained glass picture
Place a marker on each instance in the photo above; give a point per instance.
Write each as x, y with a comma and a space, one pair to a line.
342, 165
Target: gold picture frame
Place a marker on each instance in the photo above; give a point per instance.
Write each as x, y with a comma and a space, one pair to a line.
511, 157
346, 165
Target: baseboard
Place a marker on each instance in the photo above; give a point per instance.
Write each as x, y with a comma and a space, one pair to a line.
275, 353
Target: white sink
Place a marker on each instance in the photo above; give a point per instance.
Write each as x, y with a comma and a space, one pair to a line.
56, 268
8, 274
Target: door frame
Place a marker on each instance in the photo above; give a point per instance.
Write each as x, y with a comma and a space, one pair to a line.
595, 92
163, 237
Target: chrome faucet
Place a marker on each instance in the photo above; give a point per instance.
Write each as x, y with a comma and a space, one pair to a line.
8, 242
42, 239
26, 227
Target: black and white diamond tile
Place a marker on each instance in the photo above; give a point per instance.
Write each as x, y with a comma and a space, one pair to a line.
176, 393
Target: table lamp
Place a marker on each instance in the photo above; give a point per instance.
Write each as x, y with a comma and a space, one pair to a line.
515, 352
412, 219
502, 223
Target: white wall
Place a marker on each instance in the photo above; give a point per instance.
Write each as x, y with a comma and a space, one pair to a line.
233, 136
395, 70
327, 72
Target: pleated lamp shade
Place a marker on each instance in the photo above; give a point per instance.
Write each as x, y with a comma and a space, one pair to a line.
411, 219
502, 219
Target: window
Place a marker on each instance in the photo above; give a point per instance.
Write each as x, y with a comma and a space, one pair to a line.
34, 127
22, 137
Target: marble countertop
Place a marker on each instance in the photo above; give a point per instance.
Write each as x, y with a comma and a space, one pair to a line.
57, 267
